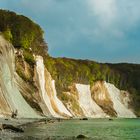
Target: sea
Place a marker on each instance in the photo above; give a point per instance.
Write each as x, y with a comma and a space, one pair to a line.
91, 129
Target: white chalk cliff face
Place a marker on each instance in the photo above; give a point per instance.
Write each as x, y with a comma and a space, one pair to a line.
101, 100
48, 92
112, 100
120, 101
11, 98
88, 105
58, 102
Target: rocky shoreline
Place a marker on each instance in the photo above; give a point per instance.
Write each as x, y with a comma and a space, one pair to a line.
18, 125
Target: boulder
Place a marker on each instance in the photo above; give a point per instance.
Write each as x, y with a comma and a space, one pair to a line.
84, 119
11, 127
110, 119
81, 136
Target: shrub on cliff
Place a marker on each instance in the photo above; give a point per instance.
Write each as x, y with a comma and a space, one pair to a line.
8, 35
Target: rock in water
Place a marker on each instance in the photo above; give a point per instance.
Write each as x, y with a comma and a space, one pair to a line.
81, 136
110, 119
84, 119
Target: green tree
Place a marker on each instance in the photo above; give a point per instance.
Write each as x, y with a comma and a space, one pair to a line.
8, 35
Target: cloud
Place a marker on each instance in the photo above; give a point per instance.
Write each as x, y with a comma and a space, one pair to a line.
106, 30
104, 10
111, 11
114, 17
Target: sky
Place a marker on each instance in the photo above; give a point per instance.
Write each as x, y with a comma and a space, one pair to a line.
100, 30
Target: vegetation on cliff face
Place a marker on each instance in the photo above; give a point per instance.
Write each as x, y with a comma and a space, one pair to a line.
21, 31
27, 37
68, 71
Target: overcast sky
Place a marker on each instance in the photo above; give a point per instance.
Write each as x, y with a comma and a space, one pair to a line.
101, 30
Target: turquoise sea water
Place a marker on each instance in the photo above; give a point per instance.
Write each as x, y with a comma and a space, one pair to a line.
96, 129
